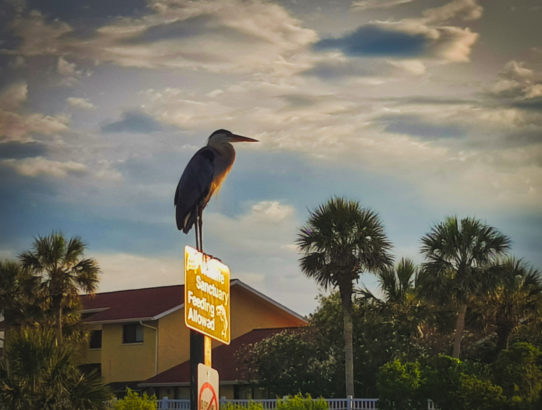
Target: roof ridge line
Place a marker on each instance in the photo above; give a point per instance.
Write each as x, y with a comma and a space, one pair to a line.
131, 290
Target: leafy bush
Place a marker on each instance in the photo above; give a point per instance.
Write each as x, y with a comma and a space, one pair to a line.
38, 373
453, 384
133, 401
300, 402
399, 386
480, 394
518, 371
234, 406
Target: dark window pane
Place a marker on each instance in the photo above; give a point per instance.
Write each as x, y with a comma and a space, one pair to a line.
95, 341
132, 333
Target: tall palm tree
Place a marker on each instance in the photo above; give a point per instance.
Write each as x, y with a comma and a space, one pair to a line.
458, 253
19, 302
397, 283
400, 302
339, 242
64, 271
516, 298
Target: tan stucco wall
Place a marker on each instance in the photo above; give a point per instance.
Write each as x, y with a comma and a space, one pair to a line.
174, 341
127, 362
136, 362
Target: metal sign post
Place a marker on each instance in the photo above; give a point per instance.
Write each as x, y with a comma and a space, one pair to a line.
206, 307
207, 388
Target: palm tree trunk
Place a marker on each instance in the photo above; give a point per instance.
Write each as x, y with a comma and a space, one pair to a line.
59, 325
348, 348
503, 336
459, 330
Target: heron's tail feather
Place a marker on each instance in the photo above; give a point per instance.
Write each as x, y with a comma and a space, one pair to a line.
184, 219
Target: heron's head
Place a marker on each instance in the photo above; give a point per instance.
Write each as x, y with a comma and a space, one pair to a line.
222, 136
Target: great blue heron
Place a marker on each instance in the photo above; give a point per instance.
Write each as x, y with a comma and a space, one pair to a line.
202, 177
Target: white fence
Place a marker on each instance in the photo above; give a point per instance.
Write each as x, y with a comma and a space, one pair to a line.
271, 404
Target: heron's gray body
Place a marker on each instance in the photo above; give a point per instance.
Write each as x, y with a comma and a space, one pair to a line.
203, 177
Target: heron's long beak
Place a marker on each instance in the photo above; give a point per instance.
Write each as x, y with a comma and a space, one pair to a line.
240, 138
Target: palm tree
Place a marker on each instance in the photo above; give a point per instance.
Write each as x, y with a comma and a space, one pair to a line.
398, 283
38, 373
401, 303
19, 301
340, 241
458, 253
516, 298
64, 271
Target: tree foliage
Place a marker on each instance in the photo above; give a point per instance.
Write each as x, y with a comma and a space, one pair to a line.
458, 254
63, 271
290, 362
339, 242
38, 373
133, 401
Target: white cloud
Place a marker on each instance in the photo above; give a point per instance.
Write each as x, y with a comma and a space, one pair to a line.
516, 81
38, 36
20, 126
82, 103
463, 9
268, 227
64, 67
16, 125
13, 96
415, 67
454, 44
377, 4
516, 70
38, 166
231, 35
69, 72
129, 271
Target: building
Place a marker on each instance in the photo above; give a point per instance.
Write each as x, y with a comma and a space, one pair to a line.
138, 334
227, 360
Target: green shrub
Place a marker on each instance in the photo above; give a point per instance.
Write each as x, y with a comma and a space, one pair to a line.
479, 394
300, 402
453, 384
133, 401
399, 386
234, 406
519, 373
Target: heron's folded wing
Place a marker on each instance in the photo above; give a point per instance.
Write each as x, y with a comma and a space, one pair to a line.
193, 188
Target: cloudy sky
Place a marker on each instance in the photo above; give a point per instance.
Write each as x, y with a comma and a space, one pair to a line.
418, 109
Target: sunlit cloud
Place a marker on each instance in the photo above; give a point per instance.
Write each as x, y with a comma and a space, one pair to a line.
129, 271
82, 103
404, 39
377, 4
242, 36
38, 166
401, 102
461, 9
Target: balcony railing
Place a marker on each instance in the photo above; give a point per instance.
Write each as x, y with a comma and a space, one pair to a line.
348, 403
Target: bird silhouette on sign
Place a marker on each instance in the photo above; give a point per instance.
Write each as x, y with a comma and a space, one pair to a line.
202, 178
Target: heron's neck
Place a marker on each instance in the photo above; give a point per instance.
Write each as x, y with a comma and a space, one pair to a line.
226, 150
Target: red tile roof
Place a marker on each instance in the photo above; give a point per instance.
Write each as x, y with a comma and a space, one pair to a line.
224, 358
131, 304
148, 303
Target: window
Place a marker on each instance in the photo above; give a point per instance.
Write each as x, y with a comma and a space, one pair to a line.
132, 333
95, 341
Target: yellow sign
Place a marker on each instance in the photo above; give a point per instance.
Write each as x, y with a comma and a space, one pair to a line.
206, 295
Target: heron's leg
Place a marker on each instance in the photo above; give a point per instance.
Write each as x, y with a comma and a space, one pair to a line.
196, 230
200, 223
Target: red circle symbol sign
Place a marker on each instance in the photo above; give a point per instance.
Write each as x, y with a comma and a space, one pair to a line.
207, 398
